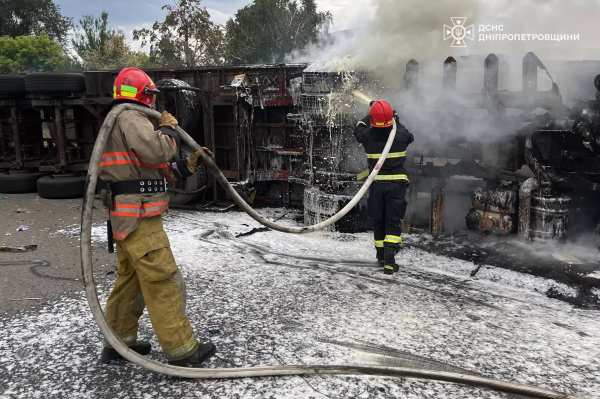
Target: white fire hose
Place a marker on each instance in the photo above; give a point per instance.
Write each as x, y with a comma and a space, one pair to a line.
264, 371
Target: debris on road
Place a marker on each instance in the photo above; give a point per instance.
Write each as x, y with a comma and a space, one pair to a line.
22, 228
22, 248
27, 299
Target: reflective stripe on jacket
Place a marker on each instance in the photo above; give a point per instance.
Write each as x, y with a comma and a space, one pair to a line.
374, 140
135, 151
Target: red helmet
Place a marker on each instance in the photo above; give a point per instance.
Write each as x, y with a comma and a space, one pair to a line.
133, 84
382, 114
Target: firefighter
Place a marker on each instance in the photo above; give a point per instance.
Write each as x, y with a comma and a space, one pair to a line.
135, 164
387, 203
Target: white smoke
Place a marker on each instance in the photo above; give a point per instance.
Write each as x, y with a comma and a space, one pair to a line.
413, 29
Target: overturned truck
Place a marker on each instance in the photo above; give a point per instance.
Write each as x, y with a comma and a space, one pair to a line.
528, 163
485, 158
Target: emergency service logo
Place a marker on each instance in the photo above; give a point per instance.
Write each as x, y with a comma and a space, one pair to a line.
459, 32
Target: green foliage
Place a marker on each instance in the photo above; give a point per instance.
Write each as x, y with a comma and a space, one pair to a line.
187, 38
267, 30
115, 54
31, 17
91, 34
32, 54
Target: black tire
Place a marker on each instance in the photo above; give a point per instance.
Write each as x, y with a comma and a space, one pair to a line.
12, 85
18, 182
61, 186
54, 83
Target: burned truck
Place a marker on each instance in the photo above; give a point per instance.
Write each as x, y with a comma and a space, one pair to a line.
490, 159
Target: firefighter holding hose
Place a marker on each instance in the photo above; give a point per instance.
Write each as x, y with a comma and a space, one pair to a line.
136, 162
387, 203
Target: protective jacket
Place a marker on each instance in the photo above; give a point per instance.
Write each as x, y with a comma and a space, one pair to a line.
135, 151
374, 140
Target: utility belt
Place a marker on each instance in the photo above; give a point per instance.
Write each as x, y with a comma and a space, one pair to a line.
145, 186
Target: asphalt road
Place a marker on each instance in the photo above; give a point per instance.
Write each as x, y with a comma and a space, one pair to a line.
52, 270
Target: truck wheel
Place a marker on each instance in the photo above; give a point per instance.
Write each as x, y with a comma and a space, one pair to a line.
18, 182
12, 85
54, 83
61, 186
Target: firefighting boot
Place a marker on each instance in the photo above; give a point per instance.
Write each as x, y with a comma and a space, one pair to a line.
204, 352
380, 257
390, 265
110, 354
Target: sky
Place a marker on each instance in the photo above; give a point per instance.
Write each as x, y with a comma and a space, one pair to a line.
135, 14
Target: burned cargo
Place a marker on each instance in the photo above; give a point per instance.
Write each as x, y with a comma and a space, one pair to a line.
283, 134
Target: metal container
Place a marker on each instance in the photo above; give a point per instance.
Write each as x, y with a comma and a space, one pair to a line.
495, 200
320, 206
550, 218
490, 222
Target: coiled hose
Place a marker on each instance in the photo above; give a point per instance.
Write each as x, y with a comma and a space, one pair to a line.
246, 372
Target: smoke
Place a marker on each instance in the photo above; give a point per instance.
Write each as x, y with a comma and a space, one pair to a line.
413, 29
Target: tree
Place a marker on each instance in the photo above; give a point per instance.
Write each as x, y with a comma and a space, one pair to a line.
91, 34
187, 38
31, 54
267, 30
115, 54
31, 17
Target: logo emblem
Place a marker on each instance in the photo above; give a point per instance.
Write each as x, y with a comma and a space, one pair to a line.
127, 81
459, 32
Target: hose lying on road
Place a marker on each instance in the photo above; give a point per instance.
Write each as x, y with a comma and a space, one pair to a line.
245, 372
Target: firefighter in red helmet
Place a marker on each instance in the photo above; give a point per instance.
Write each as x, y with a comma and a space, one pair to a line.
387, 203
135, 164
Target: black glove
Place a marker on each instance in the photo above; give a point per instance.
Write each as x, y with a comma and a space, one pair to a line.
181, 170
396, 117
367, 120
173, 133
371, 103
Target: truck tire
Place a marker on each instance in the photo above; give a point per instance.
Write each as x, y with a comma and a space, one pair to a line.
61, 186
18, 182
12, 85
54, 83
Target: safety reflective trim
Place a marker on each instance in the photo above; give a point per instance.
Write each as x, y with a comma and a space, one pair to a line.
114, 91
391, 177
182, 350
119, 236
384, 123
363, 175
128, 94
379, 244
127, 158
130, 162
388, 267
359, 122
120, 154
128, 89
390, 155
140, 211
393, 239
128, 338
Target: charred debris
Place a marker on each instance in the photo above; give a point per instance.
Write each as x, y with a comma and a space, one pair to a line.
527, 160
523, 162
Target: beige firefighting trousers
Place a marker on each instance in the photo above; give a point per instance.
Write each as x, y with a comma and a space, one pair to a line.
148, 276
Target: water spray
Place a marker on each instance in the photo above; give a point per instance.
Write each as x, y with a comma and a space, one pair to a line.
362, 97
265, 371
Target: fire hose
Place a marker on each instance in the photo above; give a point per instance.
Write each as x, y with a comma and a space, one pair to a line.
263, 371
